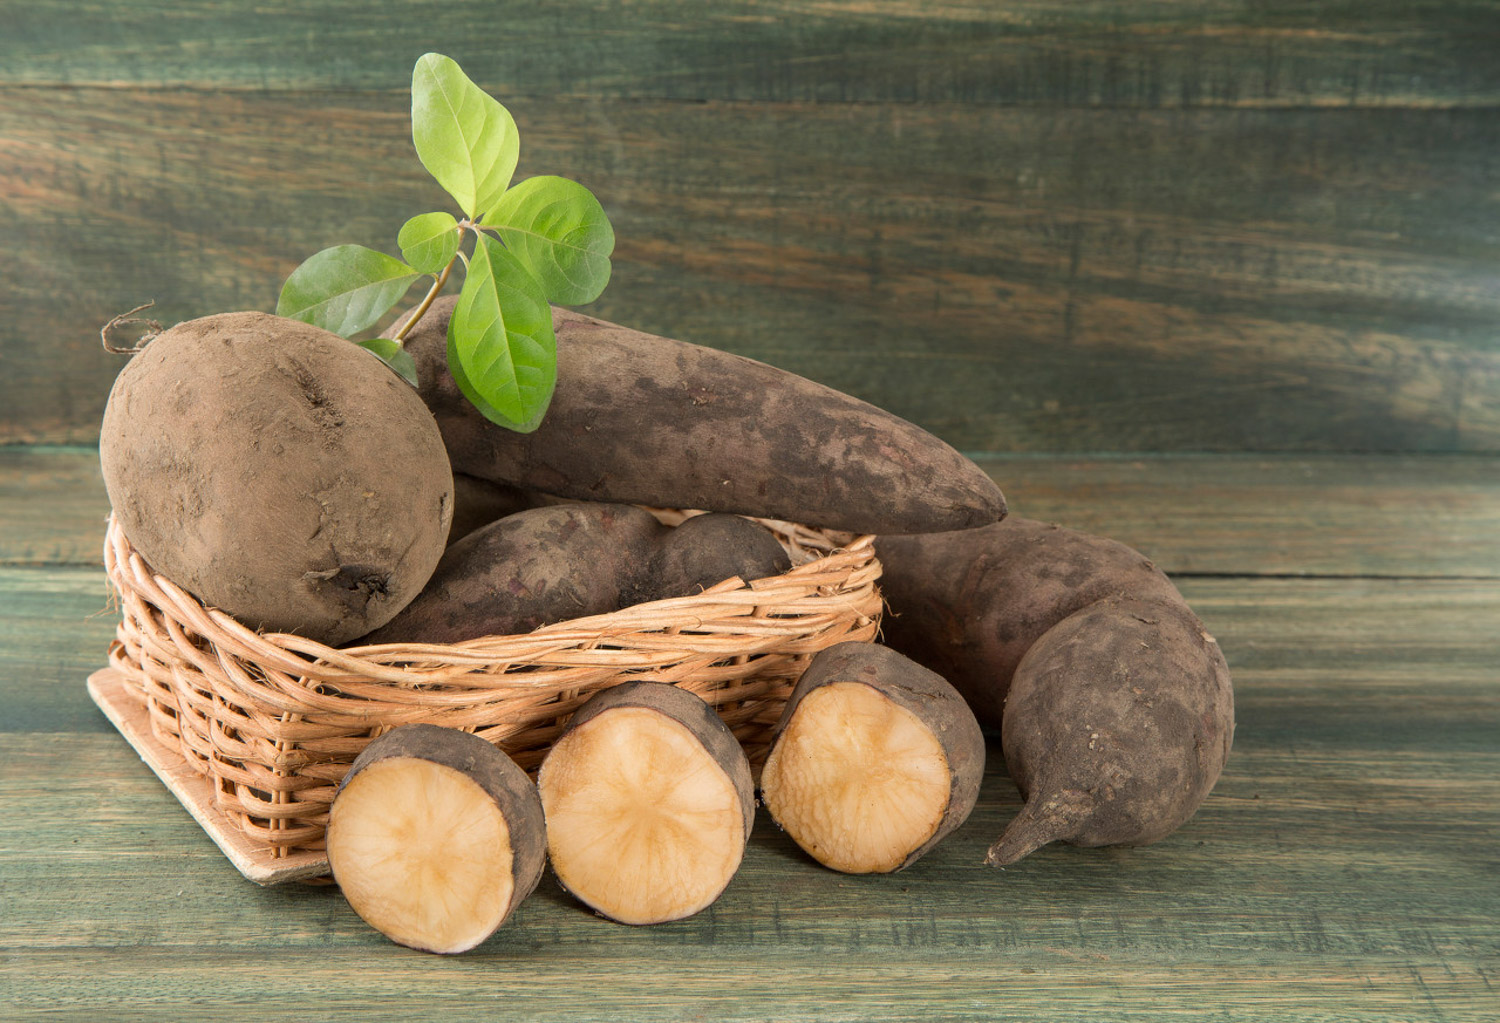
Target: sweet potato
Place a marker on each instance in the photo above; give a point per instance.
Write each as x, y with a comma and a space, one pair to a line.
969, 604
530, 569
435, 837
641, 419
1118, 723
648, 802
278, 472
874, 761
707, 549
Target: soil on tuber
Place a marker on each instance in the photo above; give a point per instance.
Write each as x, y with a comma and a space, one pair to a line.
533, 568
708, 549
642, 419
1118, 723
277, 472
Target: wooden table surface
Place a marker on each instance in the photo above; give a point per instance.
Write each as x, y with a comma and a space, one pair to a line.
1347, 866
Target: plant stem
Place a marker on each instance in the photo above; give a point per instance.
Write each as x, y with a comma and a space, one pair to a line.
421, 310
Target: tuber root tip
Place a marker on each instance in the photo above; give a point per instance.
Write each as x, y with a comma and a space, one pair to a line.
1042, 821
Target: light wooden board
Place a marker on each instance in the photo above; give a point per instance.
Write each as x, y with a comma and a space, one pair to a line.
127, 712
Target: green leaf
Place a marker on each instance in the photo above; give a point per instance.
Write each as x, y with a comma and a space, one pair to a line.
429, 241
394, 356
501, 348
464, 137
345, 288
558, 229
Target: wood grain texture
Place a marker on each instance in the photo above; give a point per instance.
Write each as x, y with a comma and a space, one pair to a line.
1338, 515
1329, 515
1013, 279
1048, 52
52, 506
1341, 871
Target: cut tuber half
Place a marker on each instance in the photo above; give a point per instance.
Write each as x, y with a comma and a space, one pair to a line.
435, 836
874, 761
648, 802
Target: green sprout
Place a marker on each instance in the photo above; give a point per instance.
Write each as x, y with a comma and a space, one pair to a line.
545, 240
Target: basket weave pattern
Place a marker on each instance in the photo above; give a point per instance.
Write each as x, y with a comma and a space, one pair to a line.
275, 720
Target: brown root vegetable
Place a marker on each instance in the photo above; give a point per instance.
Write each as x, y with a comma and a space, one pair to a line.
478, 502
278, 472
642, 419
533, 568
648, 802
707, 549
1118, 723
969, 604
435, 837
874, 761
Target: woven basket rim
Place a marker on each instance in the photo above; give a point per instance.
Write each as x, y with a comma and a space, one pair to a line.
753, 606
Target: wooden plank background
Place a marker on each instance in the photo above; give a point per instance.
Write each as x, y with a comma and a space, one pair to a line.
1028, 226
1342, 869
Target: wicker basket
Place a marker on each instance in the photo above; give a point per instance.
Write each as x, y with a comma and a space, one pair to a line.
273, 721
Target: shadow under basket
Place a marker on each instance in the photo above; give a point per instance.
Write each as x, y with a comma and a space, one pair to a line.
253, 732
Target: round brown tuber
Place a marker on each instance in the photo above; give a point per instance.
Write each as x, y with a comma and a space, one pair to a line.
707, 549
1118, 723
278, 472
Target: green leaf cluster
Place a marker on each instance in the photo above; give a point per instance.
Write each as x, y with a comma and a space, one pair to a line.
543, 240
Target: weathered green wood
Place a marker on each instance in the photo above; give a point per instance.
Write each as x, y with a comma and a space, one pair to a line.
1375, 515
1014, 279
1340, 871
1152, 54
1368, 515
52, 506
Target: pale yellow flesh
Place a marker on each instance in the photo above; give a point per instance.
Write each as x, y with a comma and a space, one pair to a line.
857, 780
422, 853
643, 824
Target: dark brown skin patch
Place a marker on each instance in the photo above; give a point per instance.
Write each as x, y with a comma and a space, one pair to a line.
1118, 724
533, 568
969, 604
708, 549
642, 419
922, 692
278, 472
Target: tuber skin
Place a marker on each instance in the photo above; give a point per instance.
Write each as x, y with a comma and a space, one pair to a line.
533, 568
411, 866
856, 733
1118, 723
707, 549
1114, 705
641, 419
969, 604
478, 502
278, 472
649, 803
